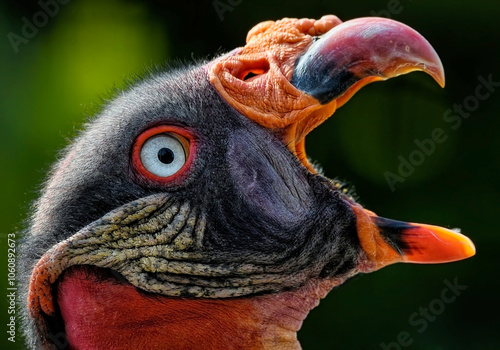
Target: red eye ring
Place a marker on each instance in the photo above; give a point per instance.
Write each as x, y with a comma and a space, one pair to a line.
182, 135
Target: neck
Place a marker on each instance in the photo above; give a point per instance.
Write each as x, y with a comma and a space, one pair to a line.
280, 316
104, 314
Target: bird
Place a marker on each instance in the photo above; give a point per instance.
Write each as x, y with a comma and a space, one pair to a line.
187, 214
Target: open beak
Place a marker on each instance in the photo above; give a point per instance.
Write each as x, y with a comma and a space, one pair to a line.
294, 73
339, 63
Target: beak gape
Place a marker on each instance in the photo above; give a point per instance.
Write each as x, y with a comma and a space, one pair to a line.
314, 67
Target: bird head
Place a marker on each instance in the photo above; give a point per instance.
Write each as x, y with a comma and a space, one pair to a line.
187, 214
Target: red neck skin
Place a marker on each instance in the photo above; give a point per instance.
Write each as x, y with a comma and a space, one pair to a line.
109, 315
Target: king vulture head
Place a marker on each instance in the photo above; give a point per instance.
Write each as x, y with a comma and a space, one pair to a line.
187, 214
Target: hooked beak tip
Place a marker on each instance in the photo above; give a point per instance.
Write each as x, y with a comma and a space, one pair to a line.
361, 51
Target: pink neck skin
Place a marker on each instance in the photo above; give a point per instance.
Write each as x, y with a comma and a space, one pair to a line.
109, 315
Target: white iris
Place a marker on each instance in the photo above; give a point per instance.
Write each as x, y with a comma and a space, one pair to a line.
163, 155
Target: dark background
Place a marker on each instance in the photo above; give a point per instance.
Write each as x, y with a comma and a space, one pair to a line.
61, 74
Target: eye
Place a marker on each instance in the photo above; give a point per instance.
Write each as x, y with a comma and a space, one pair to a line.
161, 153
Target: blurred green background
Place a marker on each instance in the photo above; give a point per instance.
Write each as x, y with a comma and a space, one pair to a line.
61, 74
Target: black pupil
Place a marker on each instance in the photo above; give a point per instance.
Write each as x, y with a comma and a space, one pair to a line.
166, 156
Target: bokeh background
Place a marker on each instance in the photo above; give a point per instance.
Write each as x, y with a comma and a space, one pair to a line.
57, 75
